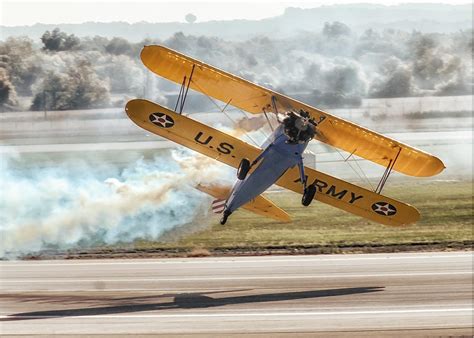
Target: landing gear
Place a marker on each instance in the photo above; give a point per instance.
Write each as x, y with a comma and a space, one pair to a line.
309, 190
243, 170
225, 216
308, 195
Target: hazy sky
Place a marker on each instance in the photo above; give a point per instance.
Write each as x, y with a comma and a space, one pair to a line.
18, 12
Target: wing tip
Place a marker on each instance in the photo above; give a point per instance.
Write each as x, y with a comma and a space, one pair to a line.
435, 167
411, 216
154, 50
133, 106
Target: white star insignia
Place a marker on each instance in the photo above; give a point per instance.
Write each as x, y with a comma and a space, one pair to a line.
161, 120
384, 208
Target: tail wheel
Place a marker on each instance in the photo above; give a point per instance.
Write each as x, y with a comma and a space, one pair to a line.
308, 195
243, 170
225, 215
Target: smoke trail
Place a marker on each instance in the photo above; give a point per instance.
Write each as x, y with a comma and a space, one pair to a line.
77, 204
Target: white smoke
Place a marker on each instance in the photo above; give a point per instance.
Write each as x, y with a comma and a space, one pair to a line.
78, 204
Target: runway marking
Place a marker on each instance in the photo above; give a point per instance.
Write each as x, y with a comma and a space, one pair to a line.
260, 314
69, 147
468, 255
187, 278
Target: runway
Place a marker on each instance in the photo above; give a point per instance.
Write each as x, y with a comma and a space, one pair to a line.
413, 294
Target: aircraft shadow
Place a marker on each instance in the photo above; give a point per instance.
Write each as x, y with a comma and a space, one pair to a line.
189, 301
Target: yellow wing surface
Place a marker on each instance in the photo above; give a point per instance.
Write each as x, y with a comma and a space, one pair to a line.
253, 98
230, 150
259, 205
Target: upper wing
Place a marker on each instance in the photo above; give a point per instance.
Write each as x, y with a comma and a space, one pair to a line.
206, 79
230, 150
253, 98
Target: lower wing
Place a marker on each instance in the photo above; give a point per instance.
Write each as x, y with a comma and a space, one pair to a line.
352, 198
230, 150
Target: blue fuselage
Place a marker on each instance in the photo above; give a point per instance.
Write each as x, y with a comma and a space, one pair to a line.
278, 156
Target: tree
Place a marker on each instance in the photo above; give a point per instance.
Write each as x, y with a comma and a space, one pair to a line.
190, 18
79, 88
53, 94
335, 29
21, 61
178, 41
119, 46
344, 79
7, 90
59, 41
123, 73
96, 43
461, 84
397, 84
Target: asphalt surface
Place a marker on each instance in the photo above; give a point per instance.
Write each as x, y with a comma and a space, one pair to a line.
410, 294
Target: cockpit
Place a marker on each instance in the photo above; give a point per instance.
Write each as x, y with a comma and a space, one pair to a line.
299, 127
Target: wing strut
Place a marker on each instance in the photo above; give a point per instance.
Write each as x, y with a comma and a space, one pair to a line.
387, 173
275, 109
183, 92
268, 120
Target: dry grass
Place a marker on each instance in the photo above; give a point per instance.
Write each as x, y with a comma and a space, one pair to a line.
199, 252
447, 219
446, 209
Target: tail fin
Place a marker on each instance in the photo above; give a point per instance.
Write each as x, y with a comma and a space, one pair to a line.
259, 205
218, 206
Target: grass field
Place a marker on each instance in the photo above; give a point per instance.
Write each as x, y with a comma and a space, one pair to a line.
446, 208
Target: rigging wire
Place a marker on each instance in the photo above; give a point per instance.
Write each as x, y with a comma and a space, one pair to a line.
355, 171
260, 130
222, 110
363, 173
268, 120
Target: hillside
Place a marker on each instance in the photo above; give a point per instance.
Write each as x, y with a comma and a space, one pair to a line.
422, 17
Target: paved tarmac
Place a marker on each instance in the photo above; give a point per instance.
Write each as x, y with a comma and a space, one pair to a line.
409, 294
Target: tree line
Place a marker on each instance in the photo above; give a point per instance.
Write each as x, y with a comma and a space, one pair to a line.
333, 68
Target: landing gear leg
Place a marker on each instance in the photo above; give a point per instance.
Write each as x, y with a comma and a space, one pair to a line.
226, 214
308, 190
243, 170
245, 165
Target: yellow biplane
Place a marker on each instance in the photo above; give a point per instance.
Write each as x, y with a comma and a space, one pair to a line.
280, 159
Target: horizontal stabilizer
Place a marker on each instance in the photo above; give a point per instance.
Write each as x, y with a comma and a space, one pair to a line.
218, 206
259, 205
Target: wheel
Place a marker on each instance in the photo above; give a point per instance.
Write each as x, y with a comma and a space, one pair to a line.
308, 195
243, 170
224, 217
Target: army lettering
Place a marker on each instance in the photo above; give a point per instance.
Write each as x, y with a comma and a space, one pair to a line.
324, 188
